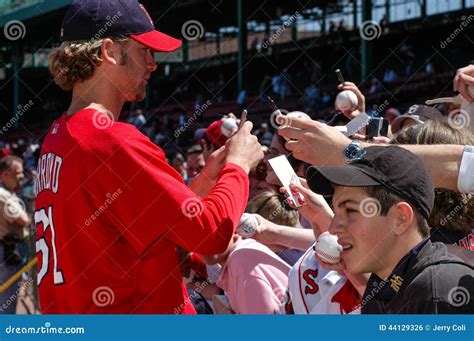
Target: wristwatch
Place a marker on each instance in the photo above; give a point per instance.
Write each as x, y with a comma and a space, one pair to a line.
353, 151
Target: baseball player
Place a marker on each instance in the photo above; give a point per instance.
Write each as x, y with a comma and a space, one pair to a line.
110, 210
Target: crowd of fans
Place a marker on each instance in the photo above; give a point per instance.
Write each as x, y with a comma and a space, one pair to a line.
254, 276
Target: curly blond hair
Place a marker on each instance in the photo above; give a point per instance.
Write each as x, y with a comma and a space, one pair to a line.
76, 61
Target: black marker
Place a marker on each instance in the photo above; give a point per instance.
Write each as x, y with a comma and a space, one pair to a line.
339, 76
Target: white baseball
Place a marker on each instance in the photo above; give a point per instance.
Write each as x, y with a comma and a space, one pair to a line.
327, 248
346, 101
299, 115
228, 126
247, 225
286, 119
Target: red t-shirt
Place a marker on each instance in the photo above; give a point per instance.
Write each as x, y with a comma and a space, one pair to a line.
109, 214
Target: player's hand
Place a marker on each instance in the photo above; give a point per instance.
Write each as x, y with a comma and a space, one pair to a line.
315, 209
314, 142
463, 79
360, 97
243, 148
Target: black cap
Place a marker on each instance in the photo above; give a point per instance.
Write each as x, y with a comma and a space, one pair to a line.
393, 167
99, 19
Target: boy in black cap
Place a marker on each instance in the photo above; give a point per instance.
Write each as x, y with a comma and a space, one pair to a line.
382, 200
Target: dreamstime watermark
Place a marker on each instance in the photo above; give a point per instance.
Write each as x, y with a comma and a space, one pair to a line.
370, 30
279, 119
14, 30
192, 119
459, 119
103, 119
46, 329
268, 42
110, 199
22, 109
14, 207
192, 207
108, 24
456, 209
371, 294
458, 296
13, 298
379, 109
192, 30
103, 296
195, 294
370, 207
464, 23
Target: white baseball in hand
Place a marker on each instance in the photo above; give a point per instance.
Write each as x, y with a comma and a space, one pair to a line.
299, 115
346, 101
327, 248
247, 226
228, 126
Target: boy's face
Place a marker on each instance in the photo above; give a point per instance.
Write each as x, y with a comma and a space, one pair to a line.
367, 237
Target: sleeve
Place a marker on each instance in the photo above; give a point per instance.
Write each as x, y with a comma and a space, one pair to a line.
466, 171
432, 292
150, 200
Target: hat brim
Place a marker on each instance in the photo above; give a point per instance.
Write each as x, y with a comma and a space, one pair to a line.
397, 122
157, 41
321, 180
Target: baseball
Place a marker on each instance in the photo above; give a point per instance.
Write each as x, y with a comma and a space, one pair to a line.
299, 115
285, 120
247, 225
346, 101
228, 126
327, 248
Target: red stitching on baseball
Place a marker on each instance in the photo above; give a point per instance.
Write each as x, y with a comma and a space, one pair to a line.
319, 252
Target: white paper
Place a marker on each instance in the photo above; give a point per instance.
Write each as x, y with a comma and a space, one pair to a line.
359, 122
286, 175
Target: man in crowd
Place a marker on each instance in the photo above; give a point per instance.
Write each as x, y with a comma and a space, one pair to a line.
13, 218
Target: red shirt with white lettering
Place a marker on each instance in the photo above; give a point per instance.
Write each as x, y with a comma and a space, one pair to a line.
109, 214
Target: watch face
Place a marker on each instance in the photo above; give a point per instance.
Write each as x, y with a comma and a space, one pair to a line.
351, 152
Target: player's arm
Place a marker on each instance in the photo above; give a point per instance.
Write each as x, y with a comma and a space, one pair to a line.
154, 202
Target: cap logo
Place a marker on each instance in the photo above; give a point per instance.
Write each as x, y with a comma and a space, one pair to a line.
413, 109
148, 15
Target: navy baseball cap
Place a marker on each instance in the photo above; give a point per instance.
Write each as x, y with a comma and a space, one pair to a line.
98, 19
393, 167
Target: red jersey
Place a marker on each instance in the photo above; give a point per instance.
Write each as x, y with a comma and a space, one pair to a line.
109, 213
